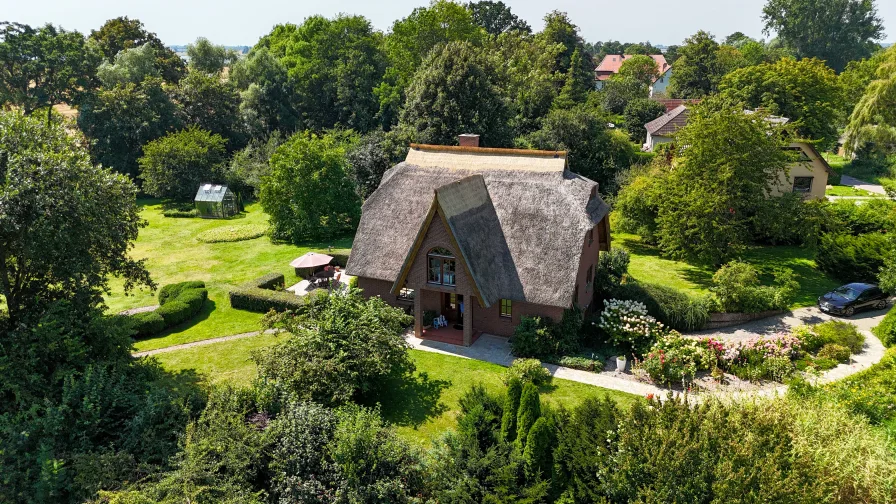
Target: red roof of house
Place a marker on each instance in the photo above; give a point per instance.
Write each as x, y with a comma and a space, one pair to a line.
611, 63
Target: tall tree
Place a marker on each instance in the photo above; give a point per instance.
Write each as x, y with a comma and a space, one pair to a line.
123, 33
719, 181
334, 66
806, 91
410, 42
578, 84
308, 193
266, 97
874, 118
558, 29
455, 92
120, 120
837, 31
698, 69
496, 17
212, 105
66, 225
641, 68
175, 165
129, 66
43, 67
210, 58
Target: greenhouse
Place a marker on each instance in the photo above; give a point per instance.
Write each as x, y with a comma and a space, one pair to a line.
215, 201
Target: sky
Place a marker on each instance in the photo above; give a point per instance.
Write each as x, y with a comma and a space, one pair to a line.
242, 22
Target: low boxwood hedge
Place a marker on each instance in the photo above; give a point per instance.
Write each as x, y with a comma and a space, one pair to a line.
177, 303
147, 324
264, 294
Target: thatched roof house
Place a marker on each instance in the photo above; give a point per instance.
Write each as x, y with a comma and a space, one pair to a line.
514, 229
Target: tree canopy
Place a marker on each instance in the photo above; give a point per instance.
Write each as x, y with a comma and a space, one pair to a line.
308, 193
175, 165
455, 92
874, 118
43, 67
805, 91
209, 58
836, 31
67, 224
123, 33
641, 68
698, 69
496, 18
133, 65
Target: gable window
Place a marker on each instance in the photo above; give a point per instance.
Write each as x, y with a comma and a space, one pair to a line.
506, 308
441, 267
802, 184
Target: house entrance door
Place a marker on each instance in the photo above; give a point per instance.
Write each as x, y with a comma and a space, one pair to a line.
452, 308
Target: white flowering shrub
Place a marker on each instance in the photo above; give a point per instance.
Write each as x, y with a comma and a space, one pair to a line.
627, 324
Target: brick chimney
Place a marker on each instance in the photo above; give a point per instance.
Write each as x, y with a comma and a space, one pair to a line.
468, 140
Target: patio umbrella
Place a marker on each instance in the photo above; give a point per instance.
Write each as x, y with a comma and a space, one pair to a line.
311, 260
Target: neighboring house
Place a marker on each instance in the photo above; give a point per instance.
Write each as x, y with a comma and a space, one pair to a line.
661, 129
807, 175
611, 63
482, 237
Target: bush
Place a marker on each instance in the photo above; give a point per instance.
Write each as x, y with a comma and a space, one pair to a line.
627, 324
737, 290
541, 337
853, 258
834, 352
232, 233
612, 267
667, 367
172, 291
871, 392
581, 363
529, 412
872, 216
258, 295
511, 407
789, 220
886, 330
527, 371
840, 333
670, 306
637, 206
181, 214
174, 312
147, 324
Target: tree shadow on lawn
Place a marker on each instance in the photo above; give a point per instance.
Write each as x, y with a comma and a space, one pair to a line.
411, 401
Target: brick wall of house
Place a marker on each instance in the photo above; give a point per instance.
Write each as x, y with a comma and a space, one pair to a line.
591, 247
437, 236
490, 321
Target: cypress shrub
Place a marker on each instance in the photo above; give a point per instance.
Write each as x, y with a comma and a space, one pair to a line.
529, 411
511, 407
539, 450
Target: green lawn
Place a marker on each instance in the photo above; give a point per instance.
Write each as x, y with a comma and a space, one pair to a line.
845, 166
839, 190
647, 266
173, 254
421, 408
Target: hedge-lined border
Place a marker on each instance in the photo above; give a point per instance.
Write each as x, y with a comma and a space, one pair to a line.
177, 303
264, 294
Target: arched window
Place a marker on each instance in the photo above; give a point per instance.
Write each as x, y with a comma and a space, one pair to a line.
441, 266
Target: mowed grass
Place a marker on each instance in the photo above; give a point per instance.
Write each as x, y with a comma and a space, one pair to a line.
173, 254
421, 408
648, 266
839, 190
864, 172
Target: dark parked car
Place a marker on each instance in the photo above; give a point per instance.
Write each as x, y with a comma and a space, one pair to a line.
851, 298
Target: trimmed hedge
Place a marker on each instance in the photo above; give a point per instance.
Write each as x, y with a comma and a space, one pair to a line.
146, 324
177, 303
264, 294
171, 291
886, 330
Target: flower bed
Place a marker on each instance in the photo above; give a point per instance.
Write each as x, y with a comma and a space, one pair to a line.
232, 233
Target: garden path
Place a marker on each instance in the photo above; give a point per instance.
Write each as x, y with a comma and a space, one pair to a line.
846, 180
201, 343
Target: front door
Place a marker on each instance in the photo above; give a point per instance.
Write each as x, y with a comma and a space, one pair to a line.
451, 307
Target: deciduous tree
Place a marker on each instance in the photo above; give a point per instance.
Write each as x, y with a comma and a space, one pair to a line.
43, 67
496, 17
455, 92
641, 68
874, 118
175, 165
836, 31
211, 105
130, 66
66, 225
123, 33
697, 69
210, 58
308, 193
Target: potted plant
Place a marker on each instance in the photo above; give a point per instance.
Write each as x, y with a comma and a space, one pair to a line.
620, 363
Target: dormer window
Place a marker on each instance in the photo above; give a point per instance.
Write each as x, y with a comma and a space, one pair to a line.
441, 267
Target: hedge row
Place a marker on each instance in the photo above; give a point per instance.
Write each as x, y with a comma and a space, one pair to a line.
177, 303
264, 294
886, 331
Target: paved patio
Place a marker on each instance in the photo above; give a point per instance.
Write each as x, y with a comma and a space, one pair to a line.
304, 287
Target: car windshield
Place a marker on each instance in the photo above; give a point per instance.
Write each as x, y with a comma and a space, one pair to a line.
847, 292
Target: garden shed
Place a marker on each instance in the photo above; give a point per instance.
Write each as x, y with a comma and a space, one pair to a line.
214, 201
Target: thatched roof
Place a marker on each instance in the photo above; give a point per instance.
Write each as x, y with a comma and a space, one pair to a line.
519, 218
